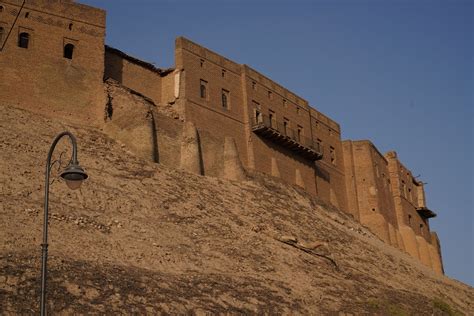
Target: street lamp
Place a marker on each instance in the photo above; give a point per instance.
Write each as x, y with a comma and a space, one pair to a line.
73, 175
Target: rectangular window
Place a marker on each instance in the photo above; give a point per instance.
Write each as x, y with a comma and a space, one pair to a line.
225, 99
258, 117
272, 119
201, 62
297, 110
332, 155
319, 145
203, 89
286, 126
284, 103
299, 135
223, 73
254, 85
270, 95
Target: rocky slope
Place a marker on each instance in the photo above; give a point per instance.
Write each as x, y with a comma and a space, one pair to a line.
139, 238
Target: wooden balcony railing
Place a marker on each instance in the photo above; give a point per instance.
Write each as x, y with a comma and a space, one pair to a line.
283, 135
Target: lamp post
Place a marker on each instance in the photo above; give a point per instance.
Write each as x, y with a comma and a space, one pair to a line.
73, 175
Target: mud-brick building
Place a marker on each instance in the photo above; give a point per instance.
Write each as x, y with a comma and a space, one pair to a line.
52, 55
385, 196
208, 115
275, 131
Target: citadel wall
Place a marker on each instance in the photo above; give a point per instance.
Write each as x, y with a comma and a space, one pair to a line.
369, 189
209, 111
252, 98
47, 31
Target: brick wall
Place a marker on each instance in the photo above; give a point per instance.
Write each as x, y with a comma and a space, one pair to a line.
39, 77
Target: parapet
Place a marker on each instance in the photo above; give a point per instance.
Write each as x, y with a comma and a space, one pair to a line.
64, 8
196, 49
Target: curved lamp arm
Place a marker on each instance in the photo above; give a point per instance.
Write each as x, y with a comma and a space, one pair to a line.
72, 174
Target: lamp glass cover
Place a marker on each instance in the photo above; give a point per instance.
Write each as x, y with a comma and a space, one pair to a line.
73, 184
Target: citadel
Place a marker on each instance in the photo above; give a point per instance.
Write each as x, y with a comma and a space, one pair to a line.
207, 115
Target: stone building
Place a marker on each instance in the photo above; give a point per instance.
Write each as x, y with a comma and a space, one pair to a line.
208, 115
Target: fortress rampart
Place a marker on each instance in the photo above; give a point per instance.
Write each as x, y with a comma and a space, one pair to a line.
208, 115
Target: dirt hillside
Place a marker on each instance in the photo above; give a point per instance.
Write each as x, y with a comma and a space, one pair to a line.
139, 238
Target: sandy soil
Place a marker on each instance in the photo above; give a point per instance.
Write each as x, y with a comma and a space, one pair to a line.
140, 238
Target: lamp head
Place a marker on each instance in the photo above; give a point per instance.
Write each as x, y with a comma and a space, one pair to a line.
74, 175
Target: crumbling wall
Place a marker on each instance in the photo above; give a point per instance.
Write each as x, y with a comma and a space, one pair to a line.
141, 125
133, 73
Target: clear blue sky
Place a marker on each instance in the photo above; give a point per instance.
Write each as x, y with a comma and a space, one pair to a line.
399, 73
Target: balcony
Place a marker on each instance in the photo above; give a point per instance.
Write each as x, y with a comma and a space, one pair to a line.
424, 212
284, 136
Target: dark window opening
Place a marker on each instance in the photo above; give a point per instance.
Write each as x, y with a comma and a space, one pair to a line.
254, 85
23, 40
300, 133
203, 89
269, 94
27, 14
225, 99
70, 26
297, 110
272, 119
286, 124
258, 116
223, 73
409, 219
284, 103
332, 154
68, 51
202, 63
1, 9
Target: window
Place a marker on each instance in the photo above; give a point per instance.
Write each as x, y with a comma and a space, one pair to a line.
27, 14
68, 51
332, 155
269, 93
319, 144
300, 133
202, 62
70, 26
223, 73
297, 110
2, 30
284, 103
421, 229
1, 8
272, 119
23, 40
286, 126
254, 85
203, 89
258, 116
225, 99
409, 219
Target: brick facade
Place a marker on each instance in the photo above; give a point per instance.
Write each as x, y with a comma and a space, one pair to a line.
233, 117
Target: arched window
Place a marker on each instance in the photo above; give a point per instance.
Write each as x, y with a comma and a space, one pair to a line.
23, 40
68, 51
